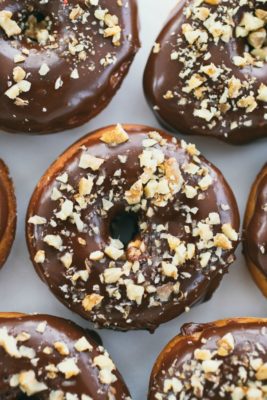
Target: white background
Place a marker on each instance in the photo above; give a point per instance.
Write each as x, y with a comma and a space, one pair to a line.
29, 156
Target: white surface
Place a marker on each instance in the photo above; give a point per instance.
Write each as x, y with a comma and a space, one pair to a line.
28, 157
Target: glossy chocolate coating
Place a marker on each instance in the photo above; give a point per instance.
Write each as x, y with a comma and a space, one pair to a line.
197, 284
256, 231
78, 100
162, 74
56, 330
249, 341
7, 213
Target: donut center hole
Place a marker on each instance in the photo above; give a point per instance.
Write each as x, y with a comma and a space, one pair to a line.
252, 28
124, 226
37, 27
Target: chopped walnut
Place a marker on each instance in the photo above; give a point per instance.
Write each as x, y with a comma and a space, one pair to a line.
10, 26
134, 194
29, 384
91, 301
226, 345
135, 293
83, 345
115, 136
89, 161
69, 368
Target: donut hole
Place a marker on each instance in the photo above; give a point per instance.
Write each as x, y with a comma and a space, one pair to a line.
124, 226
36, 27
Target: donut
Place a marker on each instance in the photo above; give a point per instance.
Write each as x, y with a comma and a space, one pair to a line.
45, 357
130, 227
225, 359
8, 213
206, 74
62, 61
255, 231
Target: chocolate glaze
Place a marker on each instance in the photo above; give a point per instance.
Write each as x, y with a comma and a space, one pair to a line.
162, 74
195, 288
249, 340
256, 231
57, 330
7, 213
78, 100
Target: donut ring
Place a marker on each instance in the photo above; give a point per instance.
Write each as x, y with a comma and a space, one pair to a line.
255, 231
8, 213
220, 360
54, 359
207, 73
62, 61
182, 216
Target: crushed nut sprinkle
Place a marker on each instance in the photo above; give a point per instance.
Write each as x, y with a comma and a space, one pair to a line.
24, 344
77, 48
206, 81
229, 367
153, 183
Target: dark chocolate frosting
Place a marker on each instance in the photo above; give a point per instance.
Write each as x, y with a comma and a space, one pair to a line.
54, 359
74, 66
221, 360
204, 77
256, 231
187, 221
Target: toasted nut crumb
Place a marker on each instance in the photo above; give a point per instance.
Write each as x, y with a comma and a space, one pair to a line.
29, 384
229, 231
226, 345
262, 93
113, 252
18, 74
135, 293
211, 366
69, 368
115, 136
89, 161
222, 241
134, 194
96, 255
62, 348
256, 39
91, 301
202, 354
10, 26
261, 374
83, 345
39, 257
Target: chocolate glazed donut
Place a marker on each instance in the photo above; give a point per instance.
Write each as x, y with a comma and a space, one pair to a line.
255, 231
62, 61
181, 217
45, 357
207, 72
221, 360
8, 213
